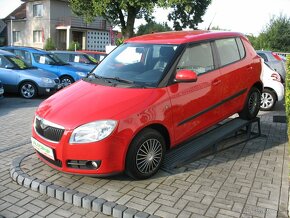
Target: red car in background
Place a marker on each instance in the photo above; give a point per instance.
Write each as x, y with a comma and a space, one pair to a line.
148, 96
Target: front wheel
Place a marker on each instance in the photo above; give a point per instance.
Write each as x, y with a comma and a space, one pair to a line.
66, 80
268, 100
145, 154
27, 90
252, 104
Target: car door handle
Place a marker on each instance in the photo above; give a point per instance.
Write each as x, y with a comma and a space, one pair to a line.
216, 82
250, 68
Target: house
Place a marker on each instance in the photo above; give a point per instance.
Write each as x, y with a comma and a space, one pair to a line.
37, 20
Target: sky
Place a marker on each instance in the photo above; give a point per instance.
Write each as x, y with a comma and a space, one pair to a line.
246, 16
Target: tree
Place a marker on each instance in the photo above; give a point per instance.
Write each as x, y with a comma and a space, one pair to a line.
275, 36
152, 27
186, 13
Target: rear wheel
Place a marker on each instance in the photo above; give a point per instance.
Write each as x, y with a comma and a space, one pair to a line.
27, 90
145, 154
66, 80
268, 100
252, 104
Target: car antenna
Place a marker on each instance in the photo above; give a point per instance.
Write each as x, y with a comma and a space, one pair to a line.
211, 21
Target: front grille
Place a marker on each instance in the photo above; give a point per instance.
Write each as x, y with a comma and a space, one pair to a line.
56, 162
47, 131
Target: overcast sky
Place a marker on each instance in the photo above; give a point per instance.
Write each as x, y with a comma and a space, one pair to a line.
246, 16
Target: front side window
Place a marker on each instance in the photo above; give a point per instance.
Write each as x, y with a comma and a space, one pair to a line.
13, 62
16, 36
141, 64
50, 59
228, 51
37, 36
197, 58
38, 10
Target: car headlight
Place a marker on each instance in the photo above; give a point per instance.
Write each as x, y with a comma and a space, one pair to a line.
47, 80
81, 74
92, 132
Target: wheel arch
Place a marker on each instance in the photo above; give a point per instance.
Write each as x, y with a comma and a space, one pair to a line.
259, 85
272, 90
28, 80
67, 75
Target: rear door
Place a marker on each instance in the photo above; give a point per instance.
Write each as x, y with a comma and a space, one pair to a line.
195, 105
235, 70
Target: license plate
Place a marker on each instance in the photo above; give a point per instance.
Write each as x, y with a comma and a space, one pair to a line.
43, 149
1, 91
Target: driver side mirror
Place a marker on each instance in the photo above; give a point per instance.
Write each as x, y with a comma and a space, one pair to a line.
185, 76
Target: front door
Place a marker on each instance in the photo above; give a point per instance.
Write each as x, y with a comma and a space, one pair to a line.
195, 105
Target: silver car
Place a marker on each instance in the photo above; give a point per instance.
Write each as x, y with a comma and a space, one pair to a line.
274, 61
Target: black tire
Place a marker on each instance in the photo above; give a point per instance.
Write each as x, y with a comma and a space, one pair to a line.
268, 100
66, 80
28, 90
252, 104
145, 154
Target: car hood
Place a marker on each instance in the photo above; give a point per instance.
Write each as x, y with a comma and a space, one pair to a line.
72, 68
37, 73
84, 102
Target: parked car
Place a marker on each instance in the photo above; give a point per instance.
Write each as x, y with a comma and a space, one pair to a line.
1, 90
147, 96
77, 59
48, 61
97, 55
274, 61
19, 77
273, 88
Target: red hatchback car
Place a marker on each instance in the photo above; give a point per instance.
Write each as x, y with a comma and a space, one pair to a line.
148, 96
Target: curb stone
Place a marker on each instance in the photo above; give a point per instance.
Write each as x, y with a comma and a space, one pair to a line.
71, 196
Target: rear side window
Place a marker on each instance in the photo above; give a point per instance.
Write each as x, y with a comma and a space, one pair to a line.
228, 51
198, 58
241, 48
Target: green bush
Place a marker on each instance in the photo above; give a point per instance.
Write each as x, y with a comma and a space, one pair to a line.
74, 46
49, 44
287, 93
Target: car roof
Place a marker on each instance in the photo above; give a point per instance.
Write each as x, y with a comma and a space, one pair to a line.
31, 49
3, 52
180, 37
68, 52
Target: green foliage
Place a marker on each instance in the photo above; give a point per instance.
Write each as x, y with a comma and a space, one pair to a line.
275, 37
287, 92
186, 13
49, 44
152, 27
74, 46
119, 41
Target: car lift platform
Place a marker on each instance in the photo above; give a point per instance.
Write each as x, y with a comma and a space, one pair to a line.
236, 128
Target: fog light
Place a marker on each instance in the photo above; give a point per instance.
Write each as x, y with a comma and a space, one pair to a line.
47, 90
95, 164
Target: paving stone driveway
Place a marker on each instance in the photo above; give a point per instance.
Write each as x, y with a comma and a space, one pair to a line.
248, 180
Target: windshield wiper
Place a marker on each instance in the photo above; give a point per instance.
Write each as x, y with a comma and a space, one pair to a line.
118, 79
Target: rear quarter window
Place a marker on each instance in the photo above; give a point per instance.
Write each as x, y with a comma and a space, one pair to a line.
228, 50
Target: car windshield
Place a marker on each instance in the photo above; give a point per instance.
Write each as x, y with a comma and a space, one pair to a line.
84, 58
13, 62
49, 59
138, 64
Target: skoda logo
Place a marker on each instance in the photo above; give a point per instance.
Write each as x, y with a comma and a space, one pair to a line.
42, 125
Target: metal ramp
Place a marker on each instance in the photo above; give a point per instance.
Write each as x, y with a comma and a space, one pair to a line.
210, 140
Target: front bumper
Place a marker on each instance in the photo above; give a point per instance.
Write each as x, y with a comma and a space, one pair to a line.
49, 90
109, 154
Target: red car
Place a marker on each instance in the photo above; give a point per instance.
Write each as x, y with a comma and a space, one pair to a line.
148, 96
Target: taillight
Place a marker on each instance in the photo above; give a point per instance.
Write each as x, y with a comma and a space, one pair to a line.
276, 56
276, 77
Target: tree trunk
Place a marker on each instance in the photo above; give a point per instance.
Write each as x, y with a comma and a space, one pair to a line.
129, 30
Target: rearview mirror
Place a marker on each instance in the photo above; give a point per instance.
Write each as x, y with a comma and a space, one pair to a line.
185, 76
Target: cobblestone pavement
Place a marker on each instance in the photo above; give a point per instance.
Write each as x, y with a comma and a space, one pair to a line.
247, 180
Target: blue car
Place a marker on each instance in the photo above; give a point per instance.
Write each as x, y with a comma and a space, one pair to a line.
19, 77
48, 61
77, 59
1, 90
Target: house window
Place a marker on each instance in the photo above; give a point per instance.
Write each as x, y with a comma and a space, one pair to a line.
38, 10
37, 36
16, 36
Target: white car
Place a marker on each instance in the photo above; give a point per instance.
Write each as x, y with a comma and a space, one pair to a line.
273, 88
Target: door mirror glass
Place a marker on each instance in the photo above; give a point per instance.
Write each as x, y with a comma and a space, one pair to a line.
185, 76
